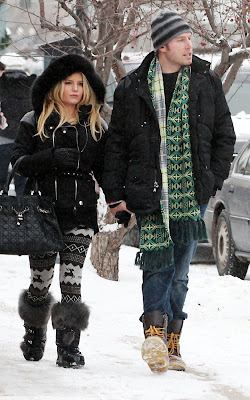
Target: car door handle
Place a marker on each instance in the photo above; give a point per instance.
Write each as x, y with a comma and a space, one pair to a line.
231, 189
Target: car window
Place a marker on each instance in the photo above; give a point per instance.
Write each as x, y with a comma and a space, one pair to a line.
243, 163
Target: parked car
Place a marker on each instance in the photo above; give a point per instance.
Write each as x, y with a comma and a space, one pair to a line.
238, 101
204, 252
228, 219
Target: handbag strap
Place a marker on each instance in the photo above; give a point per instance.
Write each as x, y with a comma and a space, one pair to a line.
11, 174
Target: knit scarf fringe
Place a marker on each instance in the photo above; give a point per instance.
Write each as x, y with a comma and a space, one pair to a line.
157, 260
161, 258
186, 231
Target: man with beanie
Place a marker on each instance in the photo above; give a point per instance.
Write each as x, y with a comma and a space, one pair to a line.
169, 148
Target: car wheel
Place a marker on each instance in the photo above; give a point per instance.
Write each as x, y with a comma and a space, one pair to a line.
227, 263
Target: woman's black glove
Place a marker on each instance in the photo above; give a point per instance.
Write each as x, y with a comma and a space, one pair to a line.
123, 217
65, 159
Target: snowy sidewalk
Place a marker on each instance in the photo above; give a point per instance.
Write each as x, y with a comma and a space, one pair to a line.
214, 345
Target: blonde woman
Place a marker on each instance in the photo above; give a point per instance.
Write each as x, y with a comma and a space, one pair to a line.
63, 140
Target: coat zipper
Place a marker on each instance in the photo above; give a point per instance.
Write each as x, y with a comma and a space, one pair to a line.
80, 151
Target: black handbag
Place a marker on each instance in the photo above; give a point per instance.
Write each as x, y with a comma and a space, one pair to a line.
28, 223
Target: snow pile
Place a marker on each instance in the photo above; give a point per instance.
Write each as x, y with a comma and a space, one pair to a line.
102, 210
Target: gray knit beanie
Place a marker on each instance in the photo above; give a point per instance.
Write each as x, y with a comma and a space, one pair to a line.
166, 26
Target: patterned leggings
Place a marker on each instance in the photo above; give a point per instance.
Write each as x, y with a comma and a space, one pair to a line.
72, 258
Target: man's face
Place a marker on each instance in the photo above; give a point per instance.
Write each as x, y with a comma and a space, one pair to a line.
178, 51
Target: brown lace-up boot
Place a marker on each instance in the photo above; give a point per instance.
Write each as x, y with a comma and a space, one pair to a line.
173, 336
154, 349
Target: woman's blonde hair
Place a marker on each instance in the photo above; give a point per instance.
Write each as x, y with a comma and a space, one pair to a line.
53, 101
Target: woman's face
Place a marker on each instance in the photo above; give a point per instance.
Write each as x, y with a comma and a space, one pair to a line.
73, 89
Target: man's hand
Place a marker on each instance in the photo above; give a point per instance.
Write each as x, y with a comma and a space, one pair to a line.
123, 218
120, 207
122, 214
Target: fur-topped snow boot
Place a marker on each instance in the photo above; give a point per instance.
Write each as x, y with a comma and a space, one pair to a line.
69, 319
35, 324
154, 348
174, 333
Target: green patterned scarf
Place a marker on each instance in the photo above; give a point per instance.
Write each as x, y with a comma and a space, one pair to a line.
178, 218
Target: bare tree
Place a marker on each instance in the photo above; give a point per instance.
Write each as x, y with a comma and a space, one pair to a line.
105, 27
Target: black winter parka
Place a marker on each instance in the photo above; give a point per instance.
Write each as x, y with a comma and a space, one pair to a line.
132, 168
73, 192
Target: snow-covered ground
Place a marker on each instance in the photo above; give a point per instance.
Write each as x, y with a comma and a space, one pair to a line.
215, 341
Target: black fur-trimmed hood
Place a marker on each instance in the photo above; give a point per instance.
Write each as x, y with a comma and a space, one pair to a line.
59, 69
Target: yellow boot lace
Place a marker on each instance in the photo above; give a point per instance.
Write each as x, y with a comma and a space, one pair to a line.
173, 343
153, 331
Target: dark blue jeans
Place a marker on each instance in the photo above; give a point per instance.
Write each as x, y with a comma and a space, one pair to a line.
5, 155
166, 290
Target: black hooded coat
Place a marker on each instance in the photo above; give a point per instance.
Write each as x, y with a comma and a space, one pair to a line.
73, 192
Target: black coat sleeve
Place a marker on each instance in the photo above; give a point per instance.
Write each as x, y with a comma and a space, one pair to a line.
116, 149
223, 136
36, 163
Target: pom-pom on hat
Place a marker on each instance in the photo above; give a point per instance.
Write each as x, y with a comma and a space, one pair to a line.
166, 26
